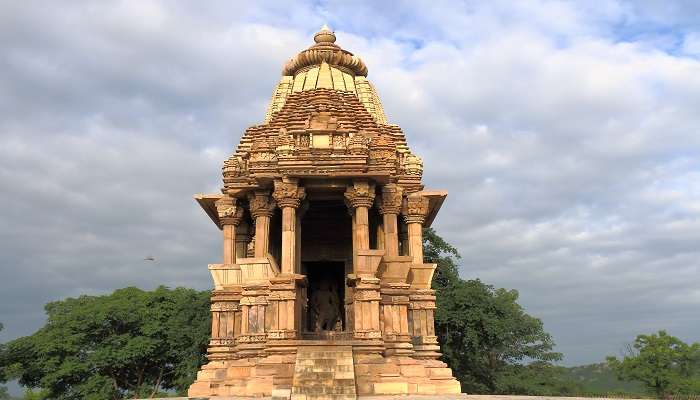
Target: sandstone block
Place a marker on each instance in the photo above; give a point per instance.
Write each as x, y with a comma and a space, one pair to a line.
391, 388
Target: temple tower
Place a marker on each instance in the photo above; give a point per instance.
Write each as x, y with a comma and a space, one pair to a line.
322, 210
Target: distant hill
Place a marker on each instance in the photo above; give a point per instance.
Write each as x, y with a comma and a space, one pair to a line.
600, 379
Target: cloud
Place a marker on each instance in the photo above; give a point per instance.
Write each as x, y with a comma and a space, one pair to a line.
565, 133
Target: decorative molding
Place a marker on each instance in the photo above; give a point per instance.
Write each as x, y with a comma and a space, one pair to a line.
360, 194
261, 204
391, 199
415, 209
287, 193
229, 212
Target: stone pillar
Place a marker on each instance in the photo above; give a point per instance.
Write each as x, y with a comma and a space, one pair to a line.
288, 196
360, 196
242, 240
394, 288
365, 285
389, 209
225, 306
403, 238
415, 209
261, 209
288, 294
230, 216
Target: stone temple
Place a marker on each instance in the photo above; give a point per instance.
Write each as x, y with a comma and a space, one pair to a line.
323, 292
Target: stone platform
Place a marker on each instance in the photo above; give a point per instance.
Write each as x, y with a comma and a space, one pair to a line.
407, 397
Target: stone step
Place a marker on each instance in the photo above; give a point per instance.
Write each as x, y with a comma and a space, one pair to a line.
324, 372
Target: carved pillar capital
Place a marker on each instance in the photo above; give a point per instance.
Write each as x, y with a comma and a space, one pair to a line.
390, 200
415, 209
287, 193
229, 212
261, 204
360, 194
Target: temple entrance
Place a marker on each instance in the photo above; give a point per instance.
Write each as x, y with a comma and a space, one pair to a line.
326, 296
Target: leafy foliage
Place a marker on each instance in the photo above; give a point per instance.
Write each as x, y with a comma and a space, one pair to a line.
485, 335
3, 390
663, 363
599, 379
129, 343
538, 379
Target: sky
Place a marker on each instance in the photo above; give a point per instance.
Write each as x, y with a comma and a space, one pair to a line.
565, 132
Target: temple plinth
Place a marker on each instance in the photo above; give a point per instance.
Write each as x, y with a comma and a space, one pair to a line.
322, 289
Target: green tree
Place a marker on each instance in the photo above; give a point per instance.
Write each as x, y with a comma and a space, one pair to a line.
129, 343
663, 363
537, 379
3, 378
485, 335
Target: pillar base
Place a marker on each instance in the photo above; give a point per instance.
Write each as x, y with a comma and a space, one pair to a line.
398, 345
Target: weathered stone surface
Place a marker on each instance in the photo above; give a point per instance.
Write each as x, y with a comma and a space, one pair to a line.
322, 291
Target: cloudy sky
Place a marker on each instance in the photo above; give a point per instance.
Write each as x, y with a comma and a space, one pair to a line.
565, 132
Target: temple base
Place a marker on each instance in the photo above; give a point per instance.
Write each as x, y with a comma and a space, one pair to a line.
331, 363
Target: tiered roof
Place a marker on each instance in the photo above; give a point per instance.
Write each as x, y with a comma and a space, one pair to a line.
324, 120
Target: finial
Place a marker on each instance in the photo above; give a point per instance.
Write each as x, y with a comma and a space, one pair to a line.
325, 35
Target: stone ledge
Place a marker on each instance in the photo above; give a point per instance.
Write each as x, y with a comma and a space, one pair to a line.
408, 397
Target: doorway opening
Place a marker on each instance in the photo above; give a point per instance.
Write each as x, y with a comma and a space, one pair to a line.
325, 296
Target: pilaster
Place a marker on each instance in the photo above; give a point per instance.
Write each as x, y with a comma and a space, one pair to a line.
254, 302
288, 290
421, 310
225, 323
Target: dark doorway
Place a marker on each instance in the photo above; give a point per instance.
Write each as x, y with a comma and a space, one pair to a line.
326, 296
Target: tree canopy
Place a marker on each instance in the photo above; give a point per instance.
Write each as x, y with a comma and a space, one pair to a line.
131, 342
663, 363
485, 335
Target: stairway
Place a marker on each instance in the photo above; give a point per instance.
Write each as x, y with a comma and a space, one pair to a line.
324, 372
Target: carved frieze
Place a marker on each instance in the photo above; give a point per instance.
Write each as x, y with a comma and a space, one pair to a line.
287, 193
360, 194
415, 209
285, 144
233, 167
228, 210
225, 306
261, 204
359, 144
390, 200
